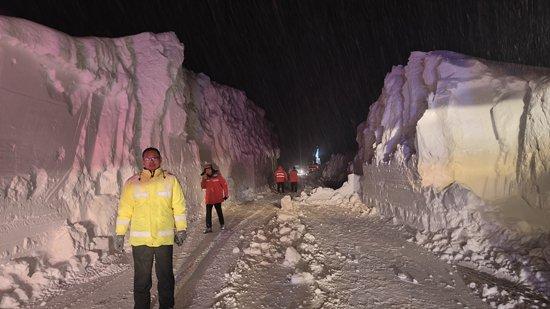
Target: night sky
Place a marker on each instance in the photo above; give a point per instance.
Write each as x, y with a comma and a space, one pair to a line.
314, 66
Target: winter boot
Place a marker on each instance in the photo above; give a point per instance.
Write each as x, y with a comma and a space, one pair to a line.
222, 227
207, 230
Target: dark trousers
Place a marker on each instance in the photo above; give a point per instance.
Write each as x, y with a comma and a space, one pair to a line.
218, 207
281, 187
143, 266
294, 186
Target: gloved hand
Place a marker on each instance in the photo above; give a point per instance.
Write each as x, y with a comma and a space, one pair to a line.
225, 198
118, 243
180, 237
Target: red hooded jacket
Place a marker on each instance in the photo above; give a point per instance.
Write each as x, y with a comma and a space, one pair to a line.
216, 189
280, 174
293, 175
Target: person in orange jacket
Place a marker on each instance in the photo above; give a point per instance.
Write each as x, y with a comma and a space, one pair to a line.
293, 179
216, 193
280, 178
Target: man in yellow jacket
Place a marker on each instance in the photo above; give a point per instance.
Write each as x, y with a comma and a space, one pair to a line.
152, 205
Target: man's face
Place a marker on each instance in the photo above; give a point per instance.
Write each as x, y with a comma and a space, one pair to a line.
208, 171
151, 160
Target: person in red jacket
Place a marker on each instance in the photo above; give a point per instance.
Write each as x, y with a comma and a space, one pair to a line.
293, 179
216, 192
280, 178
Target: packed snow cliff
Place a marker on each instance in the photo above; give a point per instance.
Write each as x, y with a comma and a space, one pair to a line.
458, 147
336, 170
76, 114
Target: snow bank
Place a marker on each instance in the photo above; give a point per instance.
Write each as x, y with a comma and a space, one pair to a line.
76, 114
348, 196
284, 246
457, 146
231, 131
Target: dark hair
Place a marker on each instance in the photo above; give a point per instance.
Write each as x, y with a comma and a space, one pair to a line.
150, 149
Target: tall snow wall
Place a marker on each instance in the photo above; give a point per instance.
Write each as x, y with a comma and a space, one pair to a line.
76, 114
231, 131
336, 169
459, 147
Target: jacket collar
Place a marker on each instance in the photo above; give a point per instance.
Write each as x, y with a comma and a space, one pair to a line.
147, 174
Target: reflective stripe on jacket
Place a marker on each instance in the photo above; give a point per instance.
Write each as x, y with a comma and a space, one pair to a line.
216, 189
152, 205
280, 175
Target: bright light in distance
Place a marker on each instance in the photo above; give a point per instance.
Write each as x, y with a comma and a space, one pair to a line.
301, 172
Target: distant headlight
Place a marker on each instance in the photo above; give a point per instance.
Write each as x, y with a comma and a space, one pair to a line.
301, 172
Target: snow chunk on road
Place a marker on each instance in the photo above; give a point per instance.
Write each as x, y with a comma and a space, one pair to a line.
288, 211
292, 257
302, 278
286, 204
348, 196
320, 195
487, 291
309, 238
285, 230
252, 251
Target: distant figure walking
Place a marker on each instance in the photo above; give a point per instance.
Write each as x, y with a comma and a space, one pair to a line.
280, 178
216, 193
293, 179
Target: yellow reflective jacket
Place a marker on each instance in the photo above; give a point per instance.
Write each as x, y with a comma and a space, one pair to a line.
152, 204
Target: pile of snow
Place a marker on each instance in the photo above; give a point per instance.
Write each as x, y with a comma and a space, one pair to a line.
283, 243
76, 114
347, 196
302, 278
247, 195
457, 146
288, 210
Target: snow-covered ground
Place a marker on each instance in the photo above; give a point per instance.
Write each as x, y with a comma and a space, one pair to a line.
280, 252
328, 250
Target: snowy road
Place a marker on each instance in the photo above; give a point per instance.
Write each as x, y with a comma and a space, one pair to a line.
199, 267
380, 269
202, 274
321, 257
346, 261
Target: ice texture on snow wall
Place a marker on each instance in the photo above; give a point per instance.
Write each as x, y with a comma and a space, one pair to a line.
231, 131
459, 146
76, 113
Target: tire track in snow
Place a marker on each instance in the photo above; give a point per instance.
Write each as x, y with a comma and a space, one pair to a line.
206, 256
112, 286
110, 289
